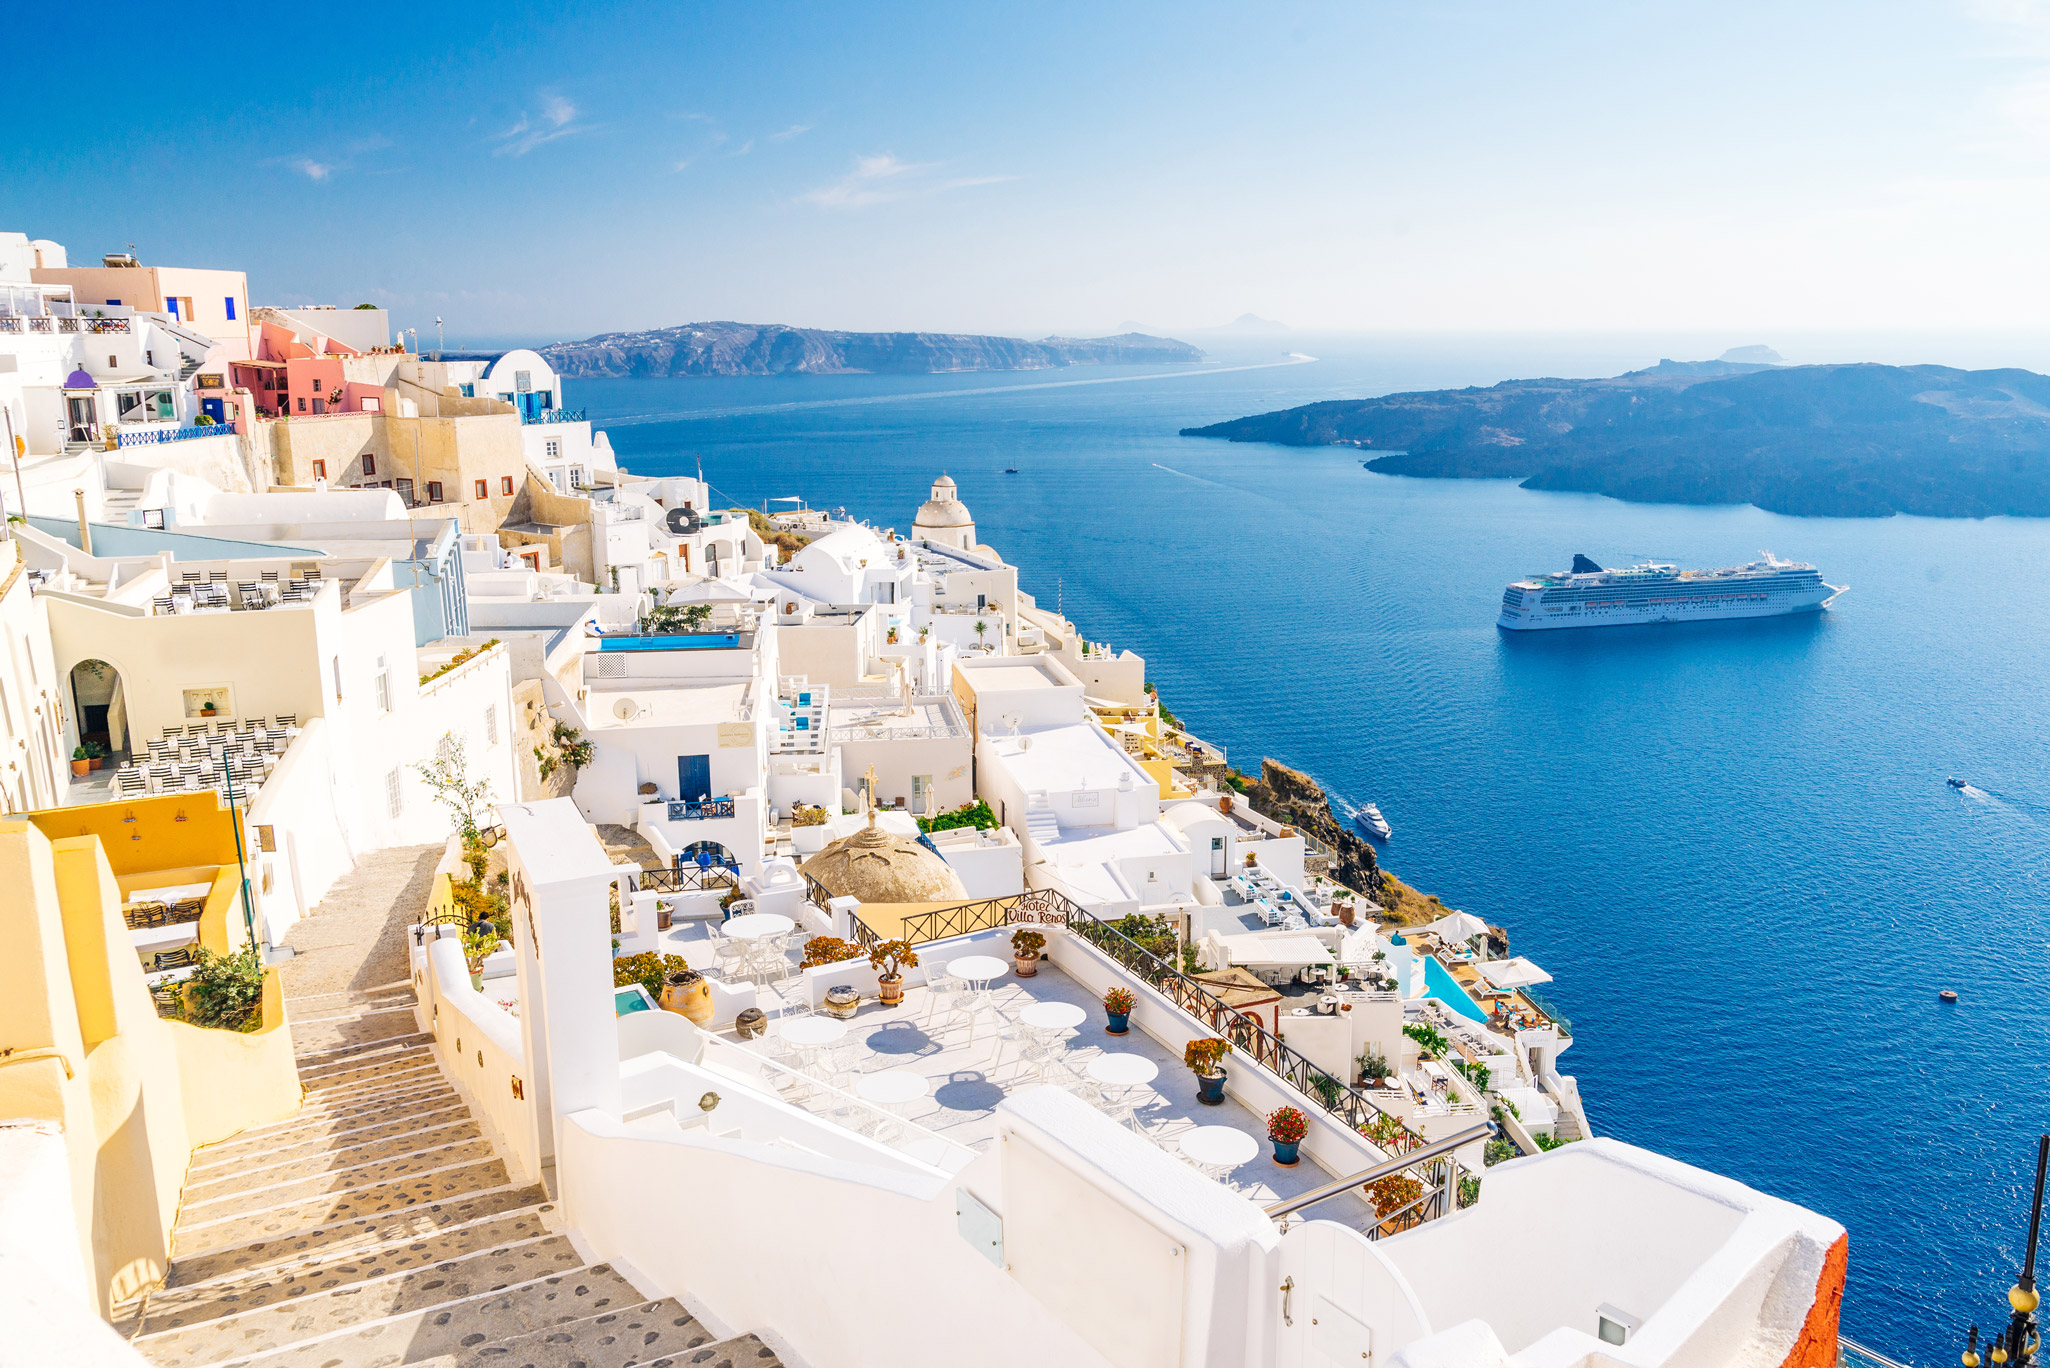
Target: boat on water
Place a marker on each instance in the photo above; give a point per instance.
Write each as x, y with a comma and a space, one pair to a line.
1957, 783
1370, 817
1010, 470
1589, 596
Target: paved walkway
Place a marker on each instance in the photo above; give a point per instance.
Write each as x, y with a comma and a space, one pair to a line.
355, 939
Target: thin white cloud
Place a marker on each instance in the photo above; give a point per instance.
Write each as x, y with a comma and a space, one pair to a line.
558, 119
884, 177
683, 164
794, 131
743, 149
313, 170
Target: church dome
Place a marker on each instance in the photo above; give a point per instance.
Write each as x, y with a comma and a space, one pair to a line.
873, 866
944, 508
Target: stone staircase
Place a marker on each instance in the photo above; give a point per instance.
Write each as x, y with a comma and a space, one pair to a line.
1040, 822
378, 1227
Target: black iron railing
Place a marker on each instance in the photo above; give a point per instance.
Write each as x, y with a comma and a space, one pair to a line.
688, 878
1249, 1036
1038, 906
697, 809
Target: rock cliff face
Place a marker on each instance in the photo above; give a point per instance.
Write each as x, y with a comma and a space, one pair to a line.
1293, 797
774, 349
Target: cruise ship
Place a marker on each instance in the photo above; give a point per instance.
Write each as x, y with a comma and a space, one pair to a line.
1589, 596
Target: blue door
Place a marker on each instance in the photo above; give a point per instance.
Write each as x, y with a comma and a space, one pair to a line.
214, 409
531, 404
693, 777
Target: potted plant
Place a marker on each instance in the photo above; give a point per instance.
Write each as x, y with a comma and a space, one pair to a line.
80, 761
94, 754
478, 943
206, 709
1286, 1127
1117, 1007
1025, 948
1205, 1059
892, 957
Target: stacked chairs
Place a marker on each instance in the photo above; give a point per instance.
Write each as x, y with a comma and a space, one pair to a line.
131, 782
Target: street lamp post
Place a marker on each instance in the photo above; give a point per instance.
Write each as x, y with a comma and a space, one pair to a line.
2017, 1345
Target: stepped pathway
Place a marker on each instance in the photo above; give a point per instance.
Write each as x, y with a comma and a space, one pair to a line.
377, 1226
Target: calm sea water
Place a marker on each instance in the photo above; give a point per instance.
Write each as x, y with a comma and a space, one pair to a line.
1731, 844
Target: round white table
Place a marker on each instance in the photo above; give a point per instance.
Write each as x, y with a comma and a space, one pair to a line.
812, 1031
758, 926
1121, 1070
977, 971
1053, 1016
1217, 1150
892, 1087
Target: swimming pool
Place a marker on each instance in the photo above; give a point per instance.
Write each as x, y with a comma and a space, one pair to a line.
705, 641
1440, 984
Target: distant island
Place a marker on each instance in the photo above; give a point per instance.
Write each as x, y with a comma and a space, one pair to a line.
1860, 441
774, 349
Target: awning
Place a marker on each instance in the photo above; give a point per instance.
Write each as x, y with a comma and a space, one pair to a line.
1457, 927
1281, 951
1513, 973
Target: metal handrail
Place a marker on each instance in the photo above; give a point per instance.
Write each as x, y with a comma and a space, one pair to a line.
1851, 1354
1387, 1167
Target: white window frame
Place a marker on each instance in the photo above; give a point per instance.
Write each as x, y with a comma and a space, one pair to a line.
395, 793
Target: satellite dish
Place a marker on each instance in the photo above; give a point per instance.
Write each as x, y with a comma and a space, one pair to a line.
684, 521
626, 710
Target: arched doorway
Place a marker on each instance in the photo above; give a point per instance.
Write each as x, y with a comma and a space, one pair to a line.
100, 705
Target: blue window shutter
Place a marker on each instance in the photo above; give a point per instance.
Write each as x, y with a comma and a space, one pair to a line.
231, 308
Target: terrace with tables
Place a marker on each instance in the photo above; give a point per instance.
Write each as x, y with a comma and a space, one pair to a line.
218, 757
925, 1076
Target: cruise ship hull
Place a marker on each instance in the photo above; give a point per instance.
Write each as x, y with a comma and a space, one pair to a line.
1538, 617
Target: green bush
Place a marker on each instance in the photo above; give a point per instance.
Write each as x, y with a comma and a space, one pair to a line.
1431, 1043
227, 990
976, 814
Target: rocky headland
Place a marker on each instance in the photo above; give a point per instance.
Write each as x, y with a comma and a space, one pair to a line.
775, 349
1825, 441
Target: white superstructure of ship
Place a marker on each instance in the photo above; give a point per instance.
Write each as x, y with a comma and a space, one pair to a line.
1590, 596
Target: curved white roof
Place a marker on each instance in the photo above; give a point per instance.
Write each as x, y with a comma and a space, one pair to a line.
1185, 815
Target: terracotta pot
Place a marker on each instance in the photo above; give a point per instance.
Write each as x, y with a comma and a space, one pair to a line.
1025, 965
1224, 803
892, 989
93, 763
686, 993
81, 766
1345, 914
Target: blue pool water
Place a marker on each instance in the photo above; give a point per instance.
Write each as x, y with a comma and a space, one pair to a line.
1731, 844
632, 998
699, 642
1439, 983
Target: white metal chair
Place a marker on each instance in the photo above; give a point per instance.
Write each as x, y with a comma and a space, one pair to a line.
941, 991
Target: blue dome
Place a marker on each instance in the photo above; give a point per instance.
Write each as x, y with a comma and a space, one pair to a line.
78, 379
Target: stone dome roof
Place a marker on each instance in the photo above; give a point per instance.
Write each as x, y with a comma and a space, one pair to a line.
873, 866
943, 509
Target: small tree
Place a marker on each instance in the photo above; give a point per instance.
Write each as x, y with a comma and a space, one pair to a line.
669, 617
980, 628
447, 777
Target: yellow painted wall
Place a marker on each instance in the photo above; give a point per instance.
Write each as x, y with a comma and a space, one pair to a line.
200, 843
86, 1049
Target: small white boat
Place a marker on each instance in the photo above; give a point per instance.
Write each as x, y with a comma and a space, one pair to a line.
1370, 817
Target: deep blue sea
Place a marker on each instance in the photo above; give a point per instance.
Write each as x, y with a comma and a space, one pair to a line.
1731, 844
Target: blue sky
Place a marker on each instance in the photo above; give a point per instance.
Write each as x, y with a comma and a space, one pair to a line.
1463, 166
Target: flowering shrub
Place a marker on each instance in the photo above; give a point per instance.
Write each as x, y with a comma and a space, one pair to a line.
1027, 942
1205, 1055
827, 950
1119, 1002
1393, 1193
1287, 1126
